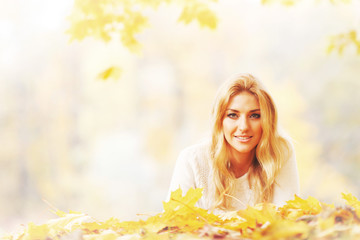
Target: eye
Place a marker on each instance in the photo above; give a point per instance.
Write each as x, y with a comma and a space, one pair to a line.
255, 115
232, 115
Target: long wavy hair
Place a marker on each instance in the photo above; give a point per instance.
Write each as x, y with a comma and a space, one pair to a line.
271, 151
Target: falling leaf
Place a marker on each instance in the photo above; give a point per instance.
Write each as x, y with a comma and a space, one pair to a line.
111, 72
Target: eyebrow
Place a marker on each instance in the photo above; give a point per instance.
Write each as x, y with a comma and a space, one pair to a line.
234, 110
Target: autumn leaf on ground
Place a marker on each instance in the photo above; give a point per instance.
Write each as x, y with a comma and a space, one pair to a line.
181, 211
55, 227
352, 201
34, 231
179, 202
282, 229
299, 207
258, 215
181, 219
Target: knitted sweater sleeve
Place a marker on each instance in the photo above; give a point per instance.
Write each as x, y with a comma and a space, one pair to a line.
184, 173
287, 182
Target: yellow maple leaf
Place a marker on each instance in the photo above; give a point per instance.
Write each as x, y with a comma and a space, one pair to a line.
283, 229
34, 231
180, 211
111, 223
130, 41
283, 2
130, 227
352, 201
104, 235
181, 219
112, 72
257, 215
299, 207
178, 202
207, 18
200, 12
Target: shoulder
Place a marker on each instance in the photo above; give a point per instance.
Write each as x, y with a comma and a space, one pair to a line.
288, 174
288, 146
197, 154
197, 150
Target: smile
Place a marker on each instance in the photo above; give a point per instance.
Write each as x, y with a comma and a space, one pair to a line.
243, 138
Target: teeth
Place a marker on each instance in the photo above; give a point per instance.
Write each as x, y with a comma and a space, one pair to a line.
243, 138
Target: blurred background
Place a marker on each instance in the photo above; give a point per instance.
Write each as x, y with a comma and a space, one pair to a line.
108, 148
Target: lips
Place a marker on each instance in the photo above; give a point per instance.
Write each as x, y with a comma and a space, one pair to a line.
243, 138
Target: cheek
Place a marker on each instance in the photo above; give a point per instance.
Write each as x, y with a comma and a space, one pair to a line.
257, 128
226, 125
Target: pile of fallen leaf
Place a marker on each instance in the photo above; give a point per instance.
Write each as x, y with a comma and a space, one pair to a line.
298, 219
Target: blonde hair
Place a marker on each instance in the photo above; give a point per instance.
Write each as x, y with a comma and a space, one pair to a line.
271, 151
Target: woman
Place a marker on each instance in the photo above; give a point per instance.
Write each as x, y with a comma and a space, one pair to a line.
247, 161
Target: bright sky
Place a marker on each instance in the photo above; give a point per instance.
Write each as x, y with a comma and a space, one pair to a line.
20, 20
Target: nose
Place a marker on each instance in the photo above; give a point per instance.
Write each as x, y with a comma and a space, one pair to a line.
243, 124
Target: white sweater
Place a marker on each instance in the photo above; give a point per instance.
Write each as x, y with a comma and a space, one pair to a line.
193, 169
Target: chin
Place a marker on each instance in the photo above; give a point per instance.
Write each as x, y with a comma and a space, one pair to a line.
244, 150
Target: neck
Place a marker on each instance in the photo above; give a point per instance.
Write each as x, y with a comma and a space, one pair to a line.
241, 162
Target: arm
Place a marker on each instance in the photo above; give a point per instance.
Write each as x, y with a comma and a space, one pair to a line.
287, 182
183, 175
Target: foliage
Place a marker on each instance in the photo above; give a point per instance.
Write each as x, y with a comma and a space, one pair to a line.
284, 2
105, 19
341, 41
292, 2
181, 219
337, 42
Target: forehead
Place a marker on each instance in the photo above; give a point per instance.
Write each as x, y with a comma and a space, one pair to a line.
243, 101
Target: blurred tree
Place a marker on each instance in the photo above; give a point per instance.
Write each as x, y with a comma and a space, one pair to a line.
341, 41
102, 19
337, 42
106, 19
293, 2
315, 170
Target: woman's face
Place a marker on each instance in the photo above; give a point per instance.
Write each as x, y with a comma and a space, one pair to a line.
242, 123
